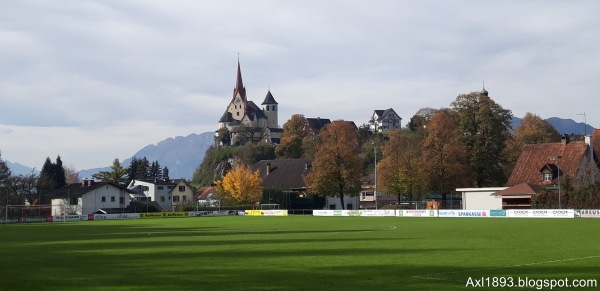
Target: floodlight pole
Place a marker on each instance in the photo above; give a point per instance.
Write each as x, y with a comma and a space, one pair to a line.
557, 158
375, 193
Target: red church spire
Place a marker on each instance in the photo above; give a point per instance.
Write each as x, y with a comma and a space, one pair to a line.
239, 85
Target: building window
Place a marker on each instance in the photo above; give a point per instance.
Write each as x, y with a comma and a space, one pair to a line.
145, 188
73, 201
159, 187
103, 198
238, 113
181, 188
183, 198
162, 198
112, 199
273, 107
267, 107
547, 177
175, 198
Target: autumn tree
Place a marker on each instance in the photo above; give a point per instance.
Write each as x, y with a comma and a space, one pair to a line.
240, 185
117, 174
400, 171
532, 130
291, 143
336, 169
444, 156
484, 128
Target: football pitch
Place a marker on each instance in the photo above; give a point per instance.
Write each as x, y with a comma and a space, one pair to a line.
296, 253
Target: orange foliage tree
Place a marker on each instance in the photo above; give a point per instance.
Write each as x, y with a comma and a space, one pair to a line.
337, 167
400, 171
240, 185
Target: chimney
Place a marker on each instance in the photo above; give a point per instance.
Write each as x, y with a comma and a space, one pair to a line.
268, 168
590, 149
90, 182
564, 139
83, 182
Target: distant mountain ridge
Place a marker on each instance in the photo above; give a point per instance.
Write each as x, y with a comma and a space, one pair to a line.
182, 155
563, 126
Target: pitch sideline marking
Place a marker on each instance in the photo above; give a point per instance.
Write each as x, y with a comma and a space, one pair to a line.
426, 276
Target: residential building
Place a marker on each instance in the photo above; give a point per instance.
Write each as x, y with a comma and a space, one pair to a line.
243, 121
543, 166
89, 197
170, 195
385, 120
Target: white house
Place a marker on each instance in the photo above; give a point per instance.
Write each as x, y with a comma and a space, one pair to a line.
88, 197
385, 120
481, 198
334, 203
169, 194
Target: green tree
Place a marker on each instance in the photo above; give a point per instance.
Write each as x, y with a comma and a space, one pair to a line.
336, 169
5, 175
484, 127
117, 174
51, 178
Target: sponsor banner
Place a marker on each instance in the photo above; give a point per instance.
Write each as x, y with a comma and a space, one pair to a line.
272, 212
587, 213
498, 213
541, 213
378, 213
163, 214
117, 216
66, 218
417, 213
463, 213
10, 220
213, 213
319, 212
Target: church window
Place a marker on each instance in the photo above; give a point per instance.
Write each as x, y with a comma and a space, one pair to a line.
267, 107
273, 107
238, 113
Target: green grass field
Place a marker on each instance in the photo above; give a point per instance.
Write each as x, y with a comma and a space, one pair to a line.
294, 253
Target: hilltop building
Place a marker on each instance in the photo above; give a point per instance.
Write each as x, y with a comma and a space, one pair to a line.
244, 122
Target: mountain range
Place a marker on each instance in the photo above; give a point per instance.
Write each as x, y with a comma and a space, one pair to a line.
182, 155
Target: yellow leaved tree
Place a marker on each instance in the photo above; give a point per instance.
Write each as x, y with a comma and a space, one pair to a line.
240, 185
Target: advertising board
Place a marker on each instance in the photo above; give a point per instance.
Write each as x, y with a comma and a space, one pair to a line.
378, 213
417, 213
116, 216
587, 213
541, 213
463, 213
66, 218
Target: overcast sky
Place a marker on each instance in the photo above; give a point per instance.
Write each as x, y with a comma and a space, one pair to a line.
96, 80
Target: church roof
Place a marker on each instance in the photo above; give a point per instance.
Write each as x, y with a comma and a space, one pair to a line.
269, 99
227, 117
253, 111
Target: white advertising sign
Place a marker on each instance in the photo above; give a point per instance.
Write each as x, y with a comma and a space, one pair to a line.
541, 213
116, 216
588, 213
65, 218
378, 213
463, 213
417, 213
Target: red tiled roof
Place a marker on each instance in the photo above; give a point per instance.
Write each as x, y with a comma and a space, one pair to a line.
520, 189
536, 156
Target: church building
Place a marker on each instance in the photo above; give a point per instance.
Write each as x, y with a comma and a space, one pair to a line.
244, 122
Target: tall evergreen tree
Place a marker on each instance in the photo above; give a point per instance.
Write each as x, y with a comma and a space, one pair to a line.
5, 175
